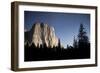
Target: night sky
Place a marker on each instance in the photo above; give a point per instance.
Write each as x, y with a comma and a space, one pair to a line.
66, 25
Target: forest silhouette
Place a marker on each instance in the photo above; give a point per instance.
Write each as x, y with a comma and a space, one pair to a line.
79, 50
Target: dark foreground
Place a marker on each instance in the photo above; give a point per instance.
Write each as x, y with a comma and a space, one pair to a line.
41, 54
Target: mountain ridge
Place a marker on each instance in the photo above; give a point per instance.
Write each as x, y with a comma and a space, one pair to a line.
40, 34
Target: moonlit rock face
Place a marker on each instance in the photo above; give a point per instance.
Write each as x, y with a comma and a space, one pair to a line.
42, 33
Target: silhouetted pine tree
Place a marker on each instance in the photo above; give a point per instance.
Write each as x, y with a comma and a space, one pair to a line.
33, 45
44, 45
75, 43
41, 46
38, 45
59, 44
82, 37
67, 46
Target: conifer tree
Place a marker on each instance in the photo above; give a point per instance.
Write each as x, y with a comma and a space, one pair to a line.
75, 44
82, 36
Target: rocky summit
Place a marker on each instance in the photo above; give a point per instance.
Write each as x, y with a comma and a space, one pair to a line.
40, 34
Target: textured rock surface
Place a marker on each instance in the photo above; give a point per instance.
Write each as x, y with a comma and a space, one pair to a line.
41, 33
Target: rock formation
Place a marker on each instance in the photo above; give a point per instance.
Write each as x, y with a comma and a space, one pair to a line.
40, 34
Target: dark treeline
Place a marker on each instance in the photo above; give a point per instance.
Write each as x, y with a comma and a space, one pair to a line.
79, 50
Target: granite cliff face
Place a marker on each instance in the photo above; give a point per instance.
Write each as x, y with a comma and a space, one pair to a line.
40, 34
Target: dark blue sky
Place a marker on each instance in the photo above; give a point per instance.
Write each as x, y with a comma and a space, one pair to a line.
66, 24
